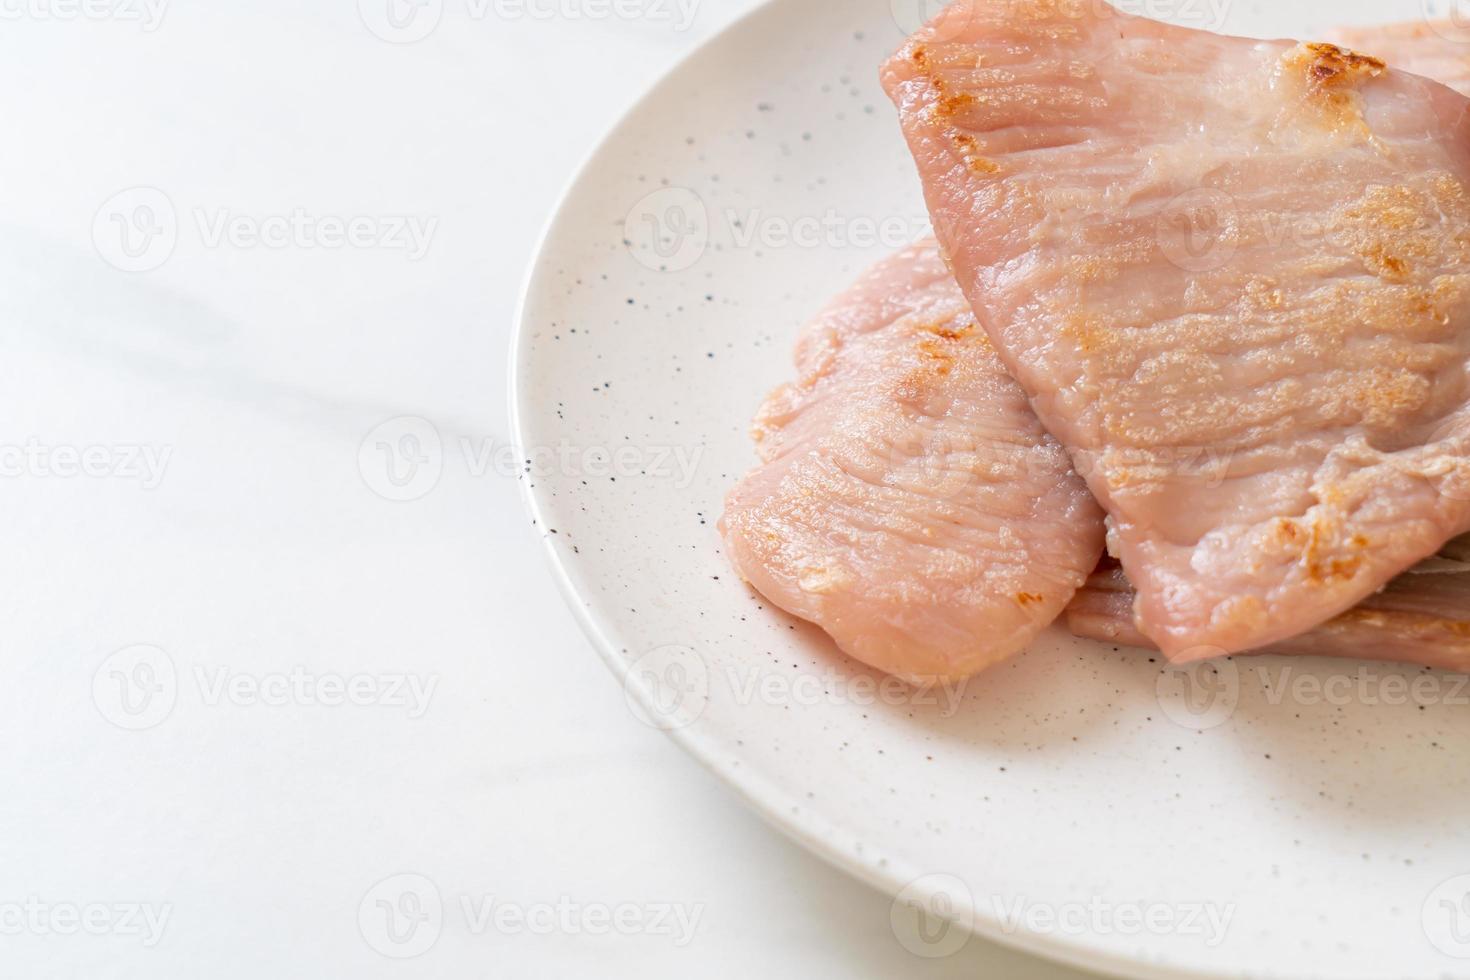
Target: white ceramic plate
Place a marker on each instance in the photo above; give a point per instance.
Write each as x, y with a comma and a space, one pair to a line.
1252, 818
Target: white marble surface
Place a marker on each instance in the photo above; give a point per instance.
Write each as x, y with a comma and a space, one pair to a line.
182, 471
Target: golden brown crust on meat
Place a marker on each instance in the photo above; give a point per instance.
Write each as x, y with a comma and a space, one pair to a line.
1331, 65
1331, 77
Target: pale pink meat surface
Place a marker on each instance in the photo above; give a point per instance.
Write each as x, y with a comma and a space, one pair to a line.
1435, 49
1422, 617
909, 501
1233, 277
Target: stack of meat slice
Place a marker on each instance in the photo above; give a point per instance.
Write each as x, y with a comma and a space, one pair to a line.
1421, 617
1230, 278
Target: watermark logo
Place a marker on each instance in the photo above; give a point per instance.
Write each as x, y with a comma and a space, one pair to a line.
136, 230
1205, 466
945, 21
1454, 24
401, 916
668, 230
910, 15
136, 688
933, 916
1200, 695
667, 688
1446, 917
1203, 230
401, 21
950, 461
1197, 231
402, 459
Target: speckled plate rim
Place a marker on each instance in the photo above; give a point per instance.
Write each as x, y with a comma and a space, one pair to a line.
826, 838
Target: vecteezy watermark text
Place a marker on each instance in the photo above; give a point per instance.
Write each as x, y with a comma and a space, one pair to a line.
404, 915
932, 917
671, 229
33, 916
411, 21
1099, 917
299, 686
1205, 15
669, 688
300, 228
139, 229
404, 458
138, 687
147, 14
1206, 693
143, 464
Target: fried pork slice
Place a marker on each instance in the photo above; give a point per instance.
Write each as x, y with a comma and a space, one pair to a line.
1233, 278
909, 501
